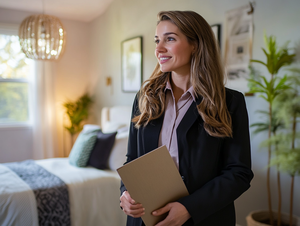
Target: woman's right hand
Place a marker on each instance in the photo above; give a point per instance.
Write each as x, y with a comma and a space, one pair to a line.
130, 207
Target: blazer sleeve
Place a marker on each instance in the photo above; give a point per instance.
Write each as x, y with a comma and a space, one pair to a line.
132, 139
235, 175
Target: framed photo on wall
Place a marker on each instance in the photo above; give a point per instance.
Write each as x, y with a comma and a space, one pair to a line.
238, 46
217, 31
131, 66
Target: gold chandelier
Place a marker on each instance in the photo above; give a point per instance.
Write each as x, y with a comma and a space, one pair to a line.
42, 37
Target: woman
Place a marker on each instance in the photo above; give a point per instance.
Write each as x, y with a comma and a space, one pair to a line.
185, 106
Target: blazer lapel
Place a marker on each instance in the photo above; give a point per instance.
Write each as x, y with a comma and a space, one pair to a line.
151, 134
186, 123
189, 118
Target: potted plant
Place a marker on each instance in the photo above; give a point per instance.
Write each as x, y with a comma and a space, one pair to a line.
270, 90
77, 111
287, 157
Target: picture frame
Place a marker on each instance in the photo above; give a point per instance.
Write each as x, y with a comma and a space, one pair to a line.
217, 31
238, 47
131, 65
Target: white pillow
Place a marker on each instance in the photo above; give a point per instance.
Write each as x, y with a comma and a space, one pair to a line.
90, 127
110, 127
122, 130
118, 153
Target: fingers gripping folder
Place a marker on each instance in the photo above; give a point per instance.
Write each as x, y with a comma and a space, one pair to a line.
154, 181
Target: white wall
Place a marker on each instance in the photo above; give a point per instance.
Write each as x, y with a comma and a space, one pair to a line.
71, 81
129, 18
72, 77
15, 144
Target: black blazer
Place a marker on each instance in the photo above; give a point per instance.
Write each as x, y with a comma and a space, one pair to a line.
215, 171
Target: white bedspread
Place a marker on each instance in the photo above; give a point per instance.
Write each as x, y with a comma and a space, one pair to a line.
94, 195
17, 201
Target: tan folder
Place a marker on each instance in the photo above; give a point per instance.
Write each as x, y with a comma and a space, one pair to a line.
153, 180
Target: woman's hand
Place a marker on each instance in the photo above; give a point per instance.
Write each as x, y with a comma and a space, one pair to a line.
177, 215
130, 207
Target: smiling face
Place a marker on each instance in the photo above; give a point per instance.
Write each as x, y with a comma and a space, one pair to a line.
173, 51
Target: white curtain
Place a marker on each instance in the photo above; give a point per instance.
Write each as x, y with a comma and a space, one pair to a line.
44, 122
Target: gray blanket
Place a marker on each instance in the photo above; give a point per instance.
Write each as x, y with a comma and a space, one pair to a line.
51, 192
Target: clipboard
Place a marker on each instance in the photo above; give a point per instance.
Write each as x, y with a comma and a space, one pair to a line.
153, 180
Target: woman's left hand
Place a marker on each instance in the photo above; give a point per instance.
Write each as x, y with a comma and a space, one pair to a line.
177, 216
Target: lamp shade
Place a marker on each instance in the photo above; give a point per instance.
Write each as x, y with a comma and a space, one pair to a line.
42, 37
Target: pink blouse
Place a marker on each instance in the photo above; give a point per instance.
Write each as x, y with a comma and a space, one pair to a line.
174, 113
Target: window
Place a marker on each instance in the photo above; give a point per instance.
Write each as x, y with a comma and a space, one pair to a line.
16, 77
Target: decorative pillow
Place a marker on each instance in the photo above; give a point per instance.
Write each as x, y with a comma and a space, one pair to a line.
90, 128
101, 151
82, 148
118, 154
110, 127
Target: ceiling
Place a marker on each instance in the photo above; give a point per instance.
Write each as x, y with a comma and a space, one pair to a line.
79, 10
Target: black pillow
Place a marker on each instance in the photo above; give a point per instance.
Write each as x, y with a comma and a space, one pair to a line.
101, 151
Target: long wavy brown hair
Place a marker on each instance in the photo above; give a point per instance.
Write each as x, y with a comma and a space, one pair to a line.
207, 77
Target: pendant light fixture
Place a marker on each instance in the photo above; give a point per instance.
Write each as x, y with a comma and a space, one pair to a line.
42, 37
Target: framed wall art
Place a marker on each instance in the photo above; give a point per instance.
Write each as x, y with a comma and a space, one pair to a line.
238, 46
131, 66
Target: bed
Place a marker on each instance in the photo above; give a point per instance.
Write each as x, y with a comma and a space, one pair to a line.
54, 192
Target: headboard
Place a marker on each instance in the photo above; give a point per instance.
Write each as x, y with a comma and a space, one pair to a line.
115, 117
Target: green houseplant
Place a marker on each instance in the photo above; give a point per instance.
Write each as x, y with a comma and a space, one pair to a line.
270, 90
77, 111
287, 157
